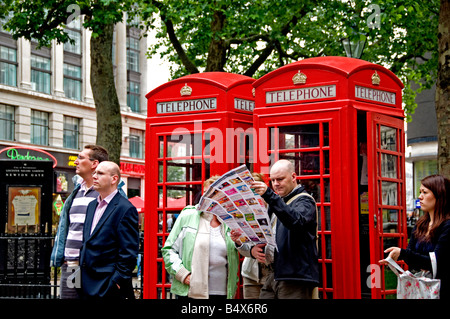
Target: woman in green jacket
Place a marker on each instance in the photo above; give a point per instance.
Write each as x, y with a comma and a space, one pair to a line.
201, 256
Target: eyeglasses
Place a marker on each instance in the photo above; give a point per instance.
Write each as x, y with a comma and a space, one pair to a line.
82, 158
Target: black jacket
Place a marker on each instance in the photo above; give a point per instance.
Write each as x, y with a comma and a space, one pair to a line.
297, 257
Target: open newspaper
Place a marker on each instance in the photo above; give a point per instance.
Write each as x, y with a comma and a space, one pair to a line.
232, 200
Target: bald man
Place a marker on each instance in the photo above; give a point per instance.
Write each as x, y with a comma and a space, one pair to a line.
294, 268
110, 239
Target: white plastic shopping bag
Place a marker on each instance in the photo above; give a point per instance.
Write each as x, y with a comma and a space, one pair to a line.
416, 286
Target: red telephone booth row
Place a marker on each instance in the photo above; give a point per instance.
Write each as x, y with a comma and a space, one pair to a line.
339, 120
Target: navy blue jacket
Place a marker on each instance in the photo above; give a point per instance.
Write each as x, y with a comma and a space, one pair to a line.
417, 256
108, 256
297, 257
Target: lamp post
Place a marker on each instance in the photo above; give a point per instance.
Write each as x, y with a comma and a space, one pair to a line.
354, 45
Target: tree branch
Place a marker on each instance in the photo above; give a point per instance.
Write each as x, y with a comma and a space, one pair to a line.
188, 64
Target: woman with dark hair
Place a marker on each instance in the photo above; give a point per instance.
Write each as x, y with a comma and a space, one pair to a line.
431, 233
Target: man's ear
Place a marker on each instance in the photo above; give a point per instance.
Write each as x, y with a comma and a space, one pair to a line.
115, 179
94, 164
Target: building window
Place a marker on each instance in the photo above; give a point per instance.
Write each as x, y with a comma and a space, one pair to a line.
74, 31
132, 54
6, 122
71, 132
136, 139
39, 127
40, 74
8, 66
133, 96
72, 81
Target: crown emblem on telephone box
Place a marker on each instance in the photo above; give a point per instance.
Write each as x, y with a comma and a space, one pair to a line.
186, 90
299, 78
375, 79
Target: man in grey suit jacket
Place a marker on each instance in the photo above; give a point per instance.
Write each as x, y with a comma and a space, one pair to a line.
110, 239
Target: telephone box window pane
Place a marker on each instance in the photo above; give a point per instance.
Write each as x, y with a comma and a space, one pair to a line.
184, 170
176, 171
327, 217
312, 187
389, 193
326, 185
207, 150
305, 163
390, 221
161, 146
388, 138
326, 162
179, 145
161, 172
176, 197
160, 197
328, 246
389, 166
296, 136
309, 163
326, 134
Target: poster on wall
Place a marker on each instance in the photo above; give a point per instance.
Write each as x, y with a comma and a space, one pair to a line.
24, 205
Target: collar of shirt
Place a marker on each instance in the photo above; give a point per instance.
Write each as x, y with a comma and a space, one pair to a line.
83, 186
108, 198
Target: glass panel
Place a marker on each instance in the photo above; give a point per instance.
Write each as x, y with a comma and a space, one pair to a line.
388, 138
389, 193
184, 170
327, 217
306, 163
179, 145
389, 166
326, 185
390, 242
390, 280
319, 223
161, 146
328, 246
160, 197
312, 186
176, 170
326, 162
326, 134
296, 136
390, 221
176, 196
161, 172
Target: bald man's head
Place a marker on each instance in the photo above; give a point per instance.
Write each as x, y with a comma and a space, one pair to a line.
106, 178
283, 177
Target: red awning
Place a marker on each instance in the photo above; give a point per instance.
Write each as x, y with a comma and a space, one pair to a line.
138, 202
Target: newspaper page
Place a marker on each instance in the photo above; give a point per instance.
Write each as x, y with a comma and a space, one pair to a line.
232, 200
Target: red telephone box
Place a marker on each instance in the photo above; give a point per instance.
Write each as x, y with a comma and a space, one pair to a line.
198, 126
340, 121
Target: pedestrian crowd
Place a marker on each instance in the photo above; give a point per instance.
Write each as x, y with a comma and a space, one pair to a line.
97, 239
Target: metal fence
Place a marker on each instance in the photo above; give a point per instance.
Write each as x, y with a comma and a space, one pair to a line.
25, 271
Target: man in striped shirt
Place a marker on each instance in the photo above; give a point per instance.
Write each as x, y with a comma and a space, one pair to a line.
68, 240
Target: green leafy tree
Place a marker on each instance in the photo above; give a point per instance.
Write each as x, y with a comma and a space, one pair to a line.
45, 20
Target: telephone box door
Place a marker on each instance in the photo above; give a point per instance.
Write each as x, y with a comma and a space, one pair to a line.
387, 196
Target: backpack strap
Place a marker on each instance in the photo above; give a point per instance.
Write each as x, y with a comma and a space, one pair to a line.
317, 213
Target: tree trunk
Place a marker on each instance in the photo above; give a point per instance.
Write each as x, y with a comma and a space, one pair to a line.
109, 120
217, 47
443, 90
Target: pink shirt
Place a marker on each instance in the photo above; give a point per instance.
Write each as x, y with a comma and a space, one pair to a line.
101, 207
